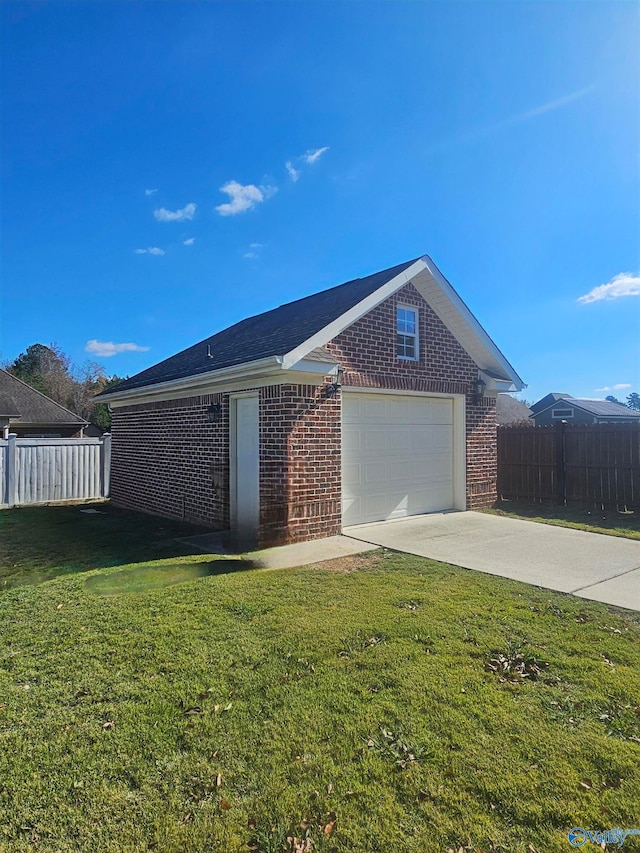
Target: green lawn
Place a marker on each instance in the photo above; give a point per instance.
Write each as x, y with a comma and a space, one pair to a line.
609, 521
163, 701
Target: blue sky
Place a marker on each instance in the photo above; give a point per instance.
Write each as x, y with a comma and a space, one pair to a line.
169, 168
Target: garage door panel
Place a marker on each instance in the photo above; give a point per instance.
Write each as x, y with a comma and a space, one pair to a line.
350, 440
432, 438
352, 474
375, 472
375, 440
397, 456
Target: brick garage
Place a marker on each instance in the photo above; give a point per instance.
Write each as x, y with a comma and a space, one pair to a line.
171, 458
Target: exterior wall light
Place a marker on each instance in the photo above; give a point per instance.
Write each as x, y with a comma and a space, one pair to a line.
214, 413
477, 389
333, 388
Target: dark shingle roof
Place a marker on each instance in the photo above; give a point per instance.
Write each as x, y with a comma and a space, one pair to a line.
604, 408
8, 406
30, 406
273, 333
544, 402
599, 408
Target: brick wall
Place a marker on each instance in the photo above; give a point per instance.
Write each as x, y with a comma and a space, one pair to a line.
367, 352
299, 463
167, 456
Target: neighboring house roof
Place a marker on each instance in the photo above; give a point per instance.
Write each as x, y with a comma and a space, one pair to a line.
293, 333
604, 408
598, 408
30, 406
8, 406
510, 411
547, 401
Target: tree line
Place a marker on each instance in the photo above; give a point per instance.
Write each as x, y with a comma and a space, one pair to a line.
633, 400
49, 370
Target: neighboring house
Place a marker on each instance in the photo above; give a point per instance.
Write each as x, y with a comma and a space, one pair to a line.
372, 400
511, 412
576, 410
29, 414
94, 431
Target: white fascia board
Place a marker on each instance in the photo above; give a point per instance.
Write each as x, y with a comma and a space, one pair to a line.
482, 340
345, 320
201, 384
498, 385
324, 368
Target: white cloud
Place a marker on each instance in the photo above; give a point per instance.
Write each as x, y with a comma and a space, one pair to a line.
624, 284
243, 197
189, 242
621, 386
164, 215
106, 349
314, 154
150, 192
152, 250
555, 104
294, 174
253, 251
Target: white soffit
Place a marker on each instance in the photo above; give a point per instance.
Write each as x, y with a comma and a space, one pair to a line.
443, 299
453, 312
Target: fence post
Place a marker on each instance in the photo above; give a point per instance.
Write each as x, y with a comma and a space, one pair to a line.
561, 468
106, 464
11, 470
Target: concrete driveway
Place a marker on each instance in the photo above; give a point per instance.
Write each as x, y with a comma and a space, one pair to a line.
590, 565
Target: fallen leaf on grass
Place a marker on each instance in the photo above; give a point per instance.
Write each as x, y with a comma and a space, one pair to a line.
329, 827
218, 780
225, 804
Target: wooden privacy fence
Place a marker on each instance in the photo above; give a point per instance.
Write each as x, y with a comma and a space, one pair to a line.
588, 463
43, 470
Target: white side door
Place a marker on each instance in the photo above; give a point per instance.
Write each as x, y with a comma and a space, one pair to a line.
245, 465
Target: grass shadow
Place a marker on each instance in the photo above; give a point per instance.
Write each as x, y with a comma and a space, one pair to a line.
150, 576
41, 543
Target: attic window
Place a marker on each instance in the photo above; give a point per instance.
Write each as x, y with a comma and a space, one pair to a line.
562, 413
407, 333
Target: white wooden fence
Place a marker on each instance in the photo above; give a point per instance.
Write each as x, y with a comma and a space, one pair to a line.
44, 470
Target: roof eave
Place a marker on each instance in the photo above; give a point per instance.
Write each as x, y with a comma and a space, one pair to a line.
475, 327
202, 383
349, 317
494, 385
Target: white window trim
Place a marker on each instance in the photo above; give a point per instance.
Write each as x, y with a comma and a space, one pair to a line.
564, 416
416, 311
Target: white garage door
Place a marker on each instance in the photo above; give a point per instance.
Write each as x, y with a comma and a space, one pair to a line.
397, 456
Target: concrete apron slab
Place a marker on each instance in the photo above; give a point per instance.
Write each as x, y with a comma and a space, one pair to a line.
288, 556
590, 565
